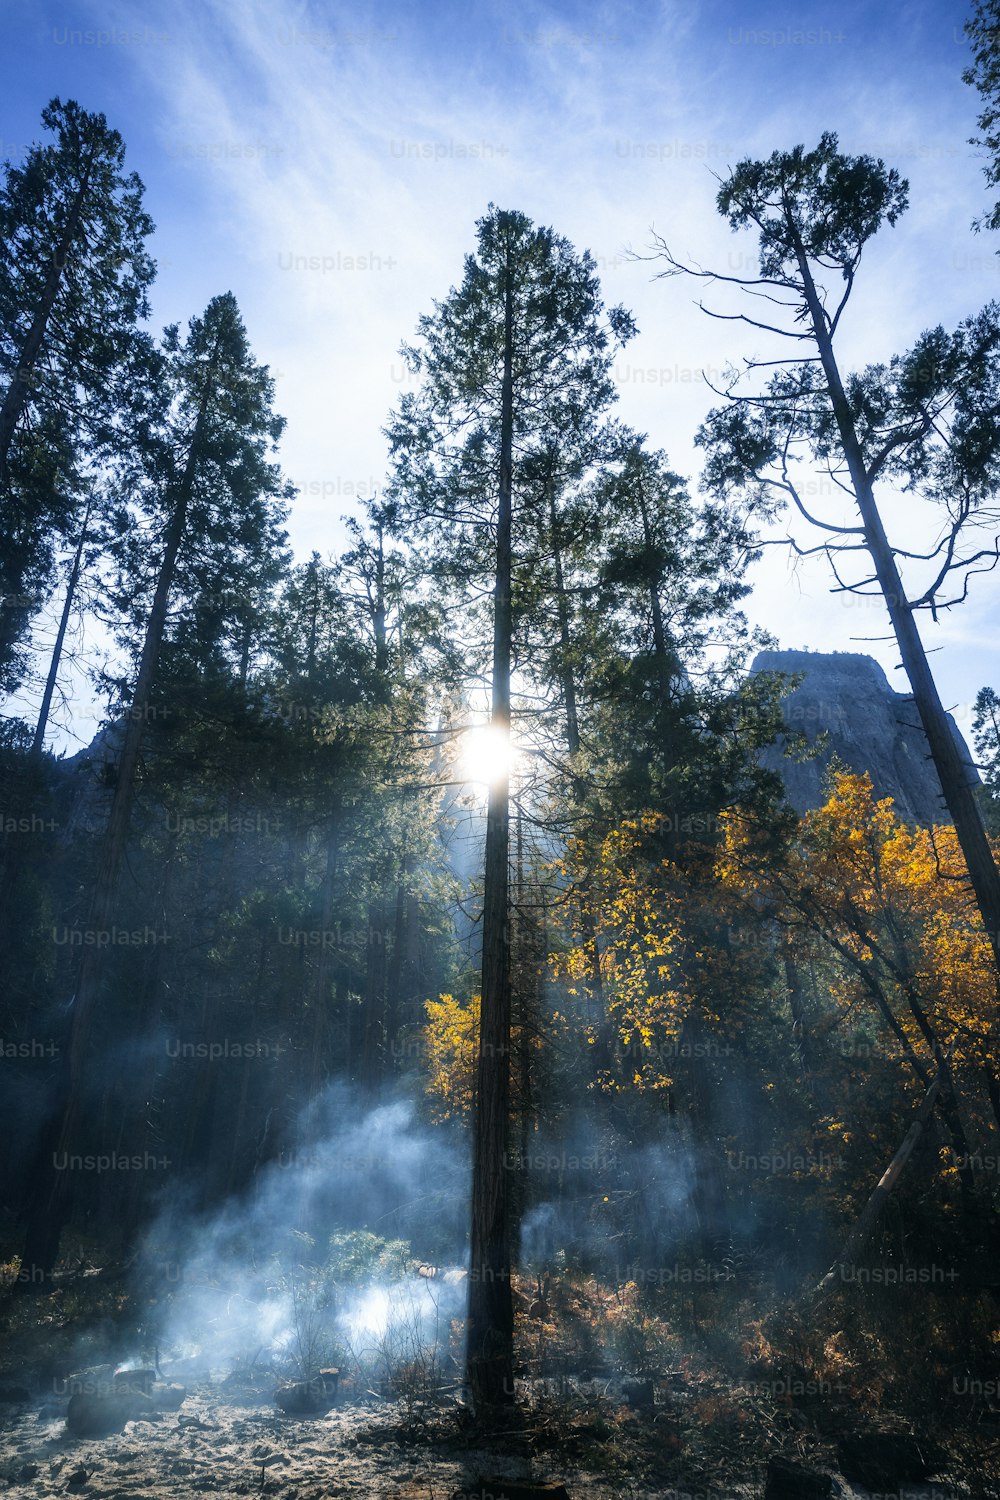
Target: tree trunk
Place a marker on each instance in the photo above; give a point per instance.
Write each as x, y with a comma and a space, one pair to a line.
876, 1203
11, 851
379, 607
958, 794
588, 921
38, 743
948, 1105
490, 1333
666, 659
527, 959
245, 647
947, 1099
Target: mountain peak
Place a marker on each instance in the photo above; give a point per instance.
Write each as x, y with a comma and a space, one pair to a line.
871, 728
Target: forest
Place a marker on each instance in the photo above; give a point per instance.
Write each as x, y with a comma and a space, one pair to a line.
438, 1058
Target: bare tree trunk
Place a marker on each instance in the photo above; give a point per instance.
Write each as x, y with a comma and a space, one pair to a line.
245, 646
490, 1331
947, 1099
958, 794
876, 1203
38, 743
948, 1102
565, 639
11, 852
663, 656
379, 607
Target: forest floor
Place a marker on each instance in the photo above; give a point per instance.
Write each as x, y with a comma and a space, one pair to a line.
229, 1439
694, 1427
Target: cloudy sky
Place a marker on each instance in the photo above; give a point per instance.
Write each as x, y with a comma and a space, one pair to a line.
327, 163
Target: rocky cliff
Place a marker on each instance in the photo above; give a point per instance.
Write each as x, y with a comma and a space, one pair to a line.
870, 728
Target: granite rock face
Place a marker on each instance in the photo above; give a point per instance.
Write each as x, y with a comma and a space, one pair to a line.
870, 727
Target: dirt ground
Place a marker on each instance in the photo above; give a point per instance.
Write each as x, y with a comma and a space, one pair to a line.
227, 1441
686, 1430
219, 1447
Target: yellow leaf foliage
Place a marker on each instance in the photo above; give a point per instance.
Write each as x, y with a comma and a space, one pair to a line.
895, 898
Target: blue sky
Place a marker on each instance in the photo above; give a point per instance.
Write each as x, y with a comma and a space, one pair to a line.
275, 134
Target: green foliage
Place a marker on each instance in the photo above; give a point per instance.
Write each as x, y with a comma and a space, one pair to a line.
699, 975
74, 274
983, 31
828, 203
986, 737
445, 436
927, 420
210, 419
358, 1258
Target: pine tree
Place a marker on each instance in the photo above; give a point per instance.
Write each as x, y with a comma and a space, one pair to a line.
204, 479
983, 31
520, 351
74, 274
927, 421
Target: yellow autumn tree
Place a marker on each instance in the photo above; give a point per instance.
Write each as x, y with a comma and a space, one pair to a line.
652, 923
450, 1035
894, 904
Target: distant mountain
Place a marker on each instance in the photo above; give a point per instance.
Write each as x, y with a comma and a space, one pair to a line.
870, 727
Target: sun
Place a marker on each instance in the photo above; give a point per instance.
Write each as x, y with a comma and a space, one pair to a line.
486, 755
